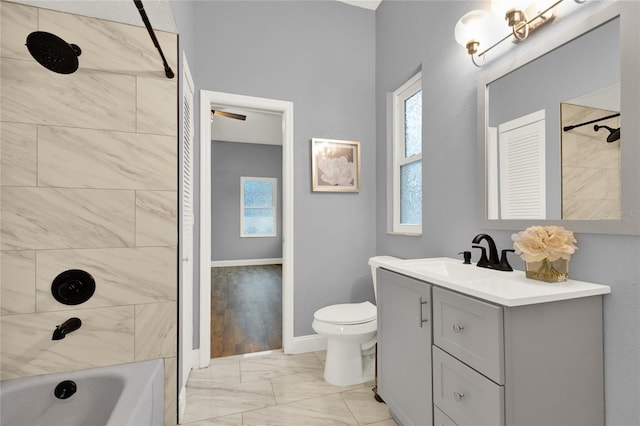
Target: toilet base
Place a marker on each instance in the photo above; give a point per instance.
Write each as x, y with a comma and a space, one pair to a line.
343, 365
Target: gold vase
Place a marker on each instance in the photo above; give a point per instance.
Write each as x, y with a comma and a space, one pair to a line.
549, 271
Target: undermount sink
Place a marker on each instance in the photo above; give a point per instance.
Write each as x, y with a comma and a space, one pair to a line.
453, 269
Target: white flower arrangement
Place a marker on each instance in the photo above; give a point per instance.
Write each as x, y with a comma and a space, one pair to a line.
537, 243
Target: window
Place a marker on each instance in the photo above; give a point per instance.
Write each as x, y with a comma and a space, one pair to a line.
407, 157
258, 212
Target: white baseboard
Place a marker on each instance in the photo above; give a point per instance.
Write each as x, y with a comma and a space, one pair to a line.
182, 404
246, 262
299, 345
309, 343
195, 359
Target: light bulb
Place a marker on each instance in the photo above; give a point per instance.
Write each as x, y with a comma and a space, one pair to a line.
472, 30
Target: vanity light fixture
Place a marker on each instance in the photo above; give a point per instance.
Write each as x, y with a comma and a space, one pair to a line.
471, 30
474, 29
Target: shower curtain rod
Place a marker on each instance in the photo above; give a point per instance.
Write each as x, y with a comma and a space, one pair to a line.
167, 70
567, 128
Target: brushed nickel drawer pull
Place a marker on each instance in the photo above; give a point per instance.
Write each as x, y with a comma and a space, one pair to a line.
458, 328
458, 396
422, 320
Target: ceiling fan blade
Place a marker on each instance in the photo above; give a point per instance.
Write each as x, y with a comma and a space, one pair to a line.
228, 115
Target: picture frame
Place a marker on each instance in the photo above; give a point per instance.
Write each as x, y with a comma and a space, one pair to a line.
335, 165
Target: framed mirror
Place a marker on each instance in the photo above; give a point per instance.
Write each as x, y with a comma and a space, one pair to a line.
551, 145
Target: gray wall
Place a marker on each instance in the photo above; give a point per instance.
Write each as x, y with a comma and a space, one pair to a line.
589, 62
229, 162
320, 56
297, 54
424, 31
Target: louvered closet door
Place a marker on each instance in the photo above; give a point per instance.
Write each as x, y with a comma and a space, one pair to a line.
186, 227
521, 145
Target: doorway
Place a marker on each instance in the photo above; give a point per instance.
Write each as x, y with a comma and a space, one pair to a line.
208, 100
246, 231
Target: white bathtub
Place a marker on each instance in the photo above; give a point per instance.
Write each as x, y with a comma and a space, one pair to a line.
120, 395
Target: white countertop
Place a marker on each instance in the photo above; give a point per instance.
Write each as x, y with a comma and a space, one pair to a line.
504, 288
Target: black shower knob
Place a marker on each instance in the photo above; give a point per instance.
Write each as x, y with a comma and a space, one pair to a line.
73, 287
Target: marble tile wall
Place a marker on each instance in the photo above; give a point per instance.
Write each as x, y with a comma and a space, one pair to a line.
591, 167
88, 180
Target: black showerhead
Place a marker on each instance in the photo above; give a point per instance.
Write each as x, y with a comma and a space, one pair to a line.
614, 134
52, 52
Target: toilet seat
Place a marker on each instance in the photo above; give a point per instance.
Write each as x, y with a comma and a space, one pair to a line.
347, 313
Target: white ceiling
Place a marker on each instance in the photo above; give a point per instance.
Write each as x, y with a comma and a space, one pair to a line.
261, 127
607, 98
367, 4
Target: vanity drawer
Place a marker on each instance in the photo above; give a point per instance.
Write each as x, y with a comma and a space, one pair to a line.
464, 395
470, 330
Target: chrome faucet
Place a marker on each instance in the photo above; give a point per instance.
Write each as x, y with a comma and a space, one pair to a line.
72, 324
492, 262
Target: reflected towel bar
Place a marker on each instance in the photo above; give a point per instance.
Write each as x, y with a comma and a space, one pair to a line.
567, 128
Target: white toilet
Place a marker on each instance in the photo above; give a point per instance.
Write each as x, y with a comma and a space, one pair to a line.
349, 328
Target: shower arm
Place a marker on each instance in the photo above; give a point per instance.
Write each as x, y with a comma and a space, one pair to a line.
167, 69
567, 128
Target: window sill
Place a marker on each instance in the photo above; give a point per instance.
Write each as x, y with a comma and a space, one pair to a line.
405, 234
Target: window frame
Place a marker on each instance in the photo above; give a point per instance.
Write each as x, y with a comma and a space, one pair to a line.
404, 92
274, 199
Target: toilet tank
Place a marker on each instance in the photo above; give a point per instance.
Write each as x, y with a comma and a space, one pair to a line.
375, 262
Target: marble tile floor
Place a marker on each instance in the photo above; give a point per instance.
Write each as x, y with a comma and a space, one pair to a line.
270, 388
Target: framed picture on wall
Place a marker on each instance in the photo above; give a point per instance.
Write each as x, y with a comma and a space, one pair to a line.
335, 165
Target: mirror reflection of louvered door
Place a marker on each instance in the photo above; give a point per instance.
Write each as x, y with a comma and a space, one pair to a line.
521, 146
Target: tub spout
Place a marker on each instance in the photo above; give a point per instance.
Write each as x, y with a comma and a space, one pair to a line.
72, 324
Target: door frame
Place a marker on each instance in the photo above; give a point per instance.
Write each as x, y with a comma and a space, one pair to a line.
207, 98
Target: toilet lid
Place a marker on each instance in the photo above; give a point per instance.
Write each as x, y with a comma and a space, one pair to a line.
347, 313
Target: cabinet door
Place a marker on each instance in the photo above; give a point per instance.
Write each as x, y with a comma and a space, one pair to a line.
404, 347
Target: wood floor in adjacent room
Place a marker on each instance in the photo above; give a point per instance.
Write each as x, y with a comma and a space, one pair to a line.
246, 309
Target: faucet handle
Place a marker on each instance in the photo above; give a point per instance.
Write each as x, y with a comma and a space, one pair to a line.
504, 262
483, 262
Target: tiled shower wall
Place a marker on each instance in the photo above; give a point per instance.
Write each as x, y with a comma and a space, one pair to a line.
591, 167
88, 181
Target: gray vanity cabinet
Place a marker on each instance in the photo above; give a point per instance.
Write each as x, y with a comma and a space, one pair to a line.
534, 364
404, 347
